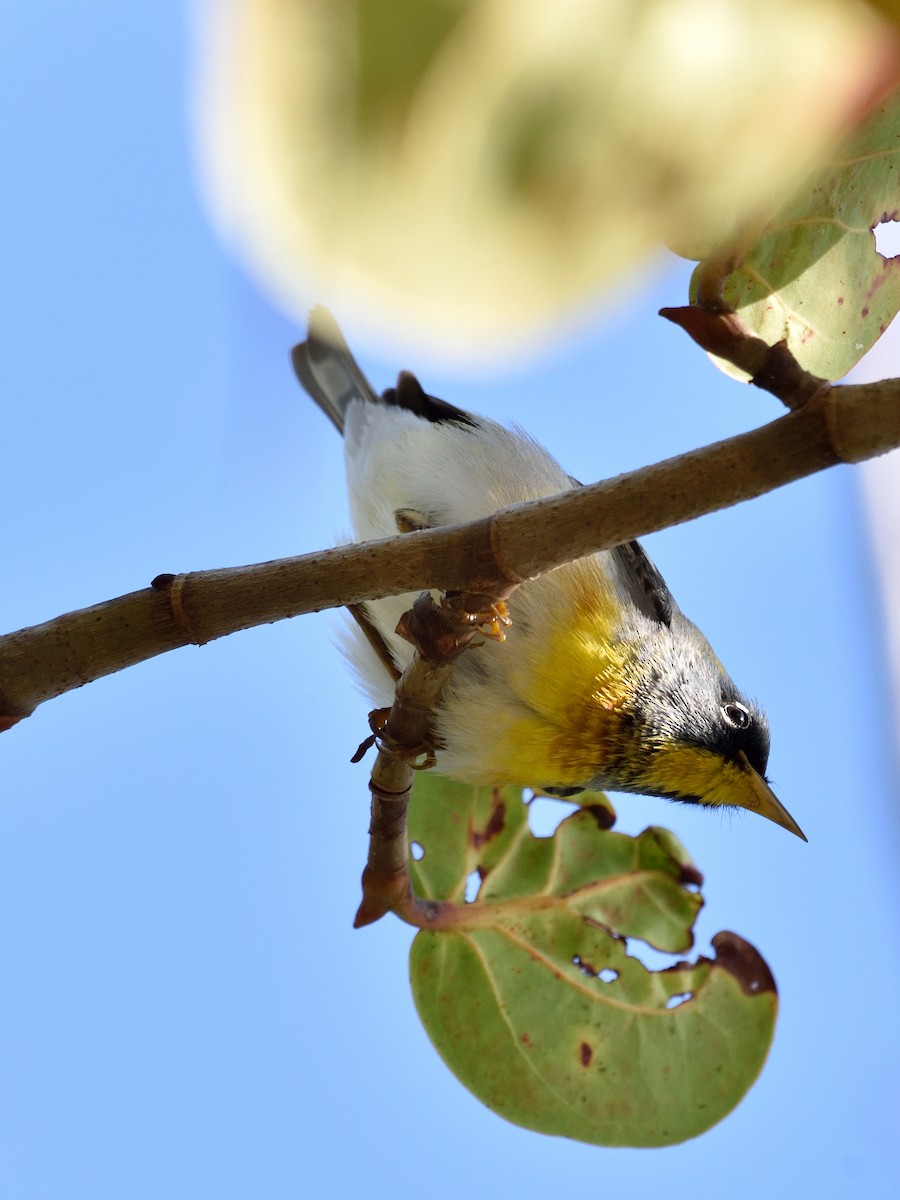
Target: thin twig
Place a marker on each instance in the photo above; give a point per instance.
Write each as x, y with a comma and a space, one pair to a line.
405, 740
723, 332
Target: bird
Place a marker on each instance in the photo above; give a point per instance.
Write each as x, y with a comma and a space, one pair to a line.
602, 683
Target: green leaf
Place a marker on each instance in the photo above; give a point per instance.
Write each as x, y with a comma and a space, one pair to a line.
529, 992
815, 277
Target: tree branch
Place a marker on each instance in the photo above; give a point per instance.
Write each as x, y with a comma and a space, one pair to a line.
837, 424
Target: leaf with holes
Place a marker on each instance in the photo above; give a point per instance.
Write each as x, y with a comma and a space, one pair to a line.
529, 992
815, 276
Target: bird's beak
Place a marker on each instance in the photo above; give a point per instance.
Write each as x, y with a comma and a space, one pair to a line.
761, 799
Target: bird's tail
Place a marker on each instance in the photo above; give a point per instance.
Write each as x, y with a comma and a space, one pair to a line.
327, 369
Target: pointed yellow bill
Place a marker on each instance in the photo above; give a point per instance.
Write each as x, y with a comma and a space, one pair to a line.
761, 799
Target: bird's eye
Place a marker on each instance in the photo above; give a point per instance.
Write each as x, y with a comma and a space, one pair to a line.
737, 715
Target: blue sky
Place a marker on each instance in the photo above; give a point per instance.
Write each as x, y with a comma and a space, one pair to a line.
185, 1009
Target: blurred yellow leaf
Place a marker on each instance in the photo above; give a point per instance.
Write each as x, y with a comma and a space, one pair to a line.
472, 172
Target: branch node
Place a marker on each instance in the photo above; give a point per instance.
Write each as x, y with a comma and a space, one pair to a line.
510, 576
723, 332
832, 410
177, 590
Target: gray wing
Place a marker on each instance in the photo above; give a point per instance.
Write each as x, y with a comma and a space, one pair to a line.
647, 587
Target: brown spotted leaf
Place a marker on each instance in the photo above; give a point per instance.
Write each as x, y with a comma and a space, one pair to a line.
815, 277
532, 998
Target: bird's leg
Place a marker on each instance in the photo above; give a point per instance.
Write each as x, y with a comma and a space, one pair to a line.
489, 616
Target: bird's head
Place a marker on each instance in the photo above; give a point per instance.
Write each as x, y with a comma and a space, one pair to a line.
689, 734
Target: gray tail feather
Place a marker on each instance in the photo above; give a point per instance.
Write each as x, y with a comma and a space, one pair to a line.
327, 369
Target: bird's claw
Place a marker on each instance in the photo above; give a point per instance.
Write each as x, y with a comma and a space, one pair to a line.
419, 758
491, 619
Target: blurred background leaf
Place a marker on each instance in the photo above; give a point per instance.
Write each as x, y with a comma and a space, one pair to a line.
473, 173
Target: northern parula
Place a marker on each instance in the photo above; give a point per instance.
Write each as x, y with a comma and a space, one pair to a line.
602, 682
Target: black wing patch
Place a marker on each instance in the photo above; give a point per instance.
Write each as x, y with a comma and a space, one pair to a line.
410, 394
648, 588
